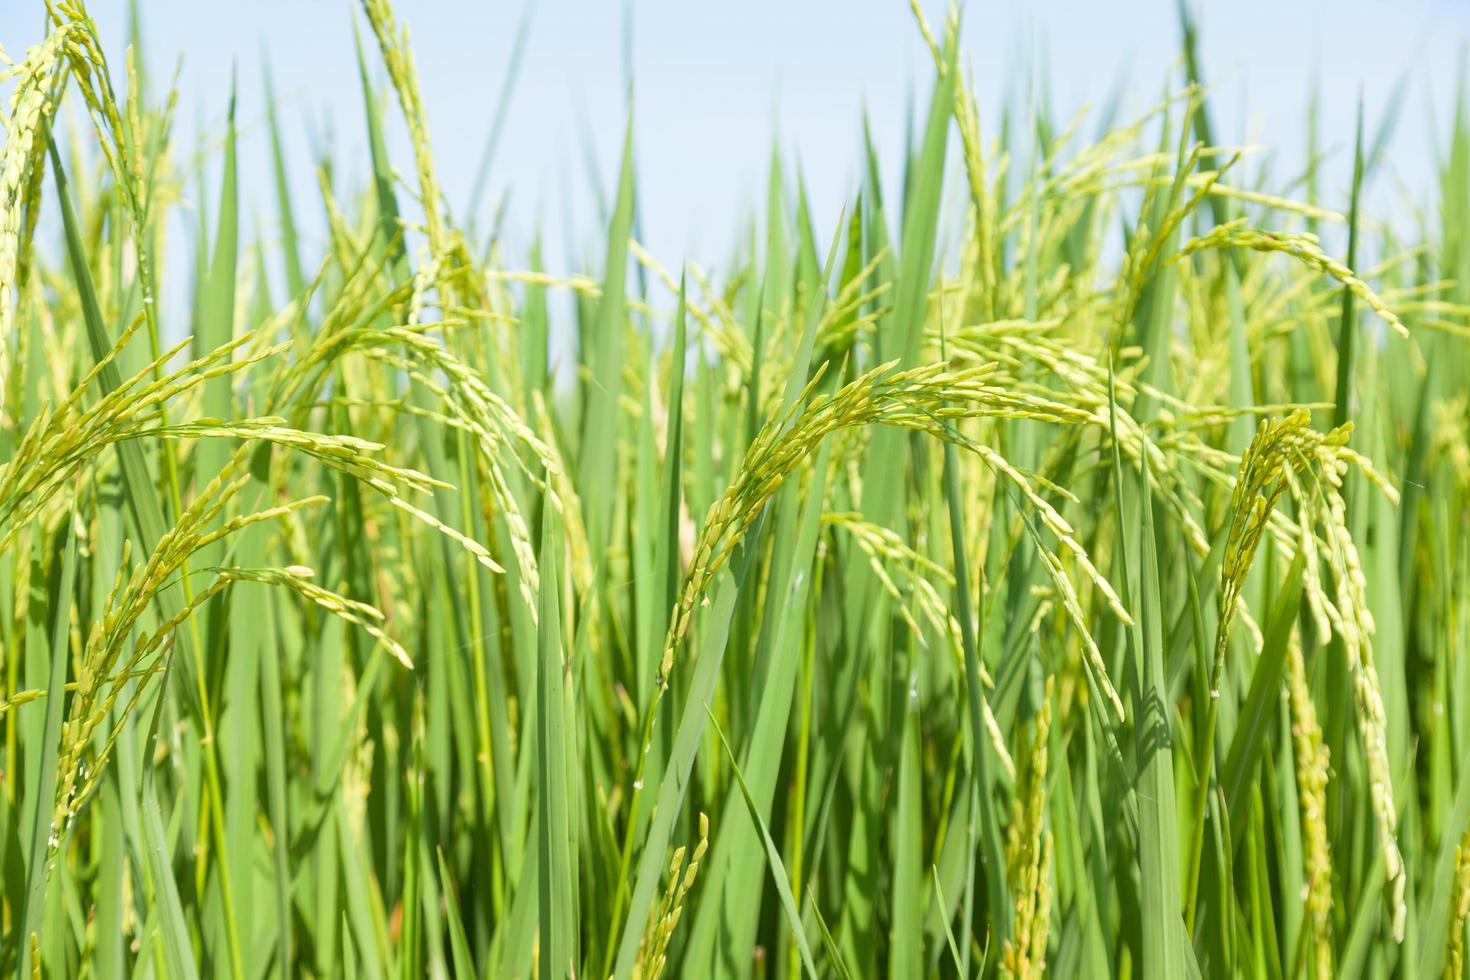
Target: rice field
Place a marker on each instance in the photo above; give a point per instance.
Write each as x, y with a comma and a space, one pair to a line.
1085, 593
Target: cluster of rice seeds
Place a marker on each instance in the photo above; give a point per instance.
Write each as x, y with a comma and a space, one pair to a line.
919, 399
297, 578
1265, 473
105, 670
492, 422
1022, 348
60, 440
715, 319
1355, 628
883, 547
469, 404
1312, 768
1279, 457
1029, 856
123, 144
653, 950
1025, 352
1460, 919
1302, 246
397, 56
27, 130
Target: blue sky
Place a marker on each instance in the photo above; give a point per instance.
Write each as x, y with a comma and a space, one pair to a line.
716, 82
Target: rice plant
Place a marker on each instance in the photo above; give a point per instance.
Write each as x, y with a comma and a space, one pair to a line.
1082, 593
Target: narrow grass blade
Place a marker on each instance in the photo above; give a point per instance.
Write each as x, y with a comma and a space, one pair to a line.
773, 854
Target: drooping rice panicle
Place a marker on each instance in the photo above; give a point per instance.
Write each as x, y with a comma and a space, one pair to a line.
934, 573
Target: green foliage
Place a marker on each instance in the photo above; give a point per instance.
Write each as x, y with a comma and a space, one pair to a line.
994, 598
